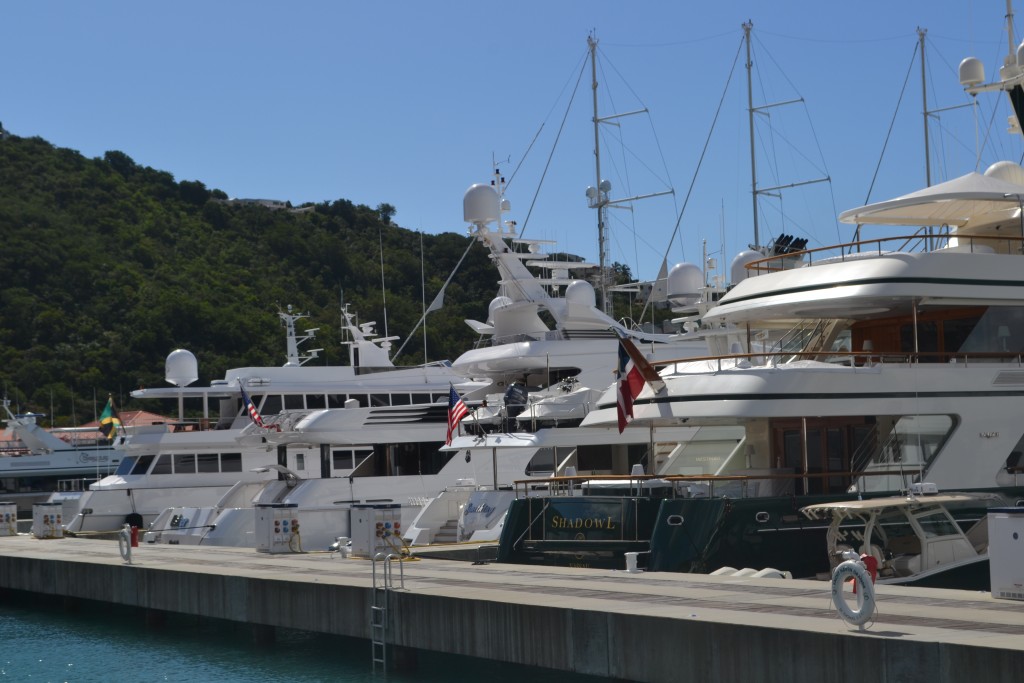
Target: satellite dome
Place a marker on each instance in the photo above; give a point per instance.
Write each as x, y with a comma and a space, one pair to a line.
1006, 170
972, 72
181, 368
481, 205
685, 281
580, 292
738, 268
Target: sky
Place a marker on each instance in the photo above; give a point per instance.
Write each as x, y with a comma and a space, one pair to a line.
409, 103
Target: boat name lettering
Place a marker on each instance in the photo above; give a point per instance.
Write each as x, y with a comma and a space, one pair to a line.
483, 507
559, 522
86, 457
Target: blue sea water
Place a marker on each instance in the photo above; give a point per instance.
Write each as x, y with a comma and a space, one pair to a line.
42, 642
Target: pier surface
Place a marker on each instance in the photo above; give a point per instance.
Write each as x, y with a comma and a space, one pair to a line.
643, 627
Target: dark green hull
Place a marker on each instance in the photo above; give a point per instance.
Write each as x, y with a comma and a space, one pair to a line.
697, 535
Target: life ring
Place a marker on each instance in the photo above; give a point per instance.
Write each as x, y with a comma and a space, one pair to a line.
853, 569
124, 543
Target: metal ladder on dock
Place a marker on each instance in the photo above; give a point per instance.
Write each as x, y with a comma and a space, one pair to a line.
379, 613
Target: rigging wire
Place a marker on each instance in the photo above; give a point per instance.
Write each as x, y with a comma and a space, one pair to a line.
551, 154
700, 161
438, 299
888, 135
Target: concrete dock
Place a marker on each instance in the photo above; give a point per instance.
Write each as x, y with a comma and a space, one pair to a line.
643, 627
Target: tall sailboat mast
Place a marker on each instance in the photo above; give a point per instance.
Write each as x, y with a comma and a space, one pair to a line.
598, 196
747, 26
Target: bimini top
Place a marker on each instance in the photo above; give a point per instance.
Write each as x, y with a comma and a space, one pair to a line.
852, 507
953, 203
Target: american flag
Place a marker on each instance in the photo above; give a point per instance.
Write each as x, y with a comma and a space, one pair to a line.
250, 408
456, 411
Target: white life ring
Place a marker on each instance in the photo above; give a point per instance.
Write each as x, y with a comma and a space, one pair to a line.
853, 569
124, 543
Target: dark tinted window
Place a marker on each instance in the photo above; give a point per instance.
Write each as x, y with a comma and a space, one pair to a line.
184, 463
315, 401
294, 402
271, 406
207, 462
399, 399
230, 462
163, 465
142, 464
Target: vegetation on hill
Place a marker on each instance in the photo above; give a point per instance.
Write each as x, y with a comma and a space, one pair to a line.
108, 266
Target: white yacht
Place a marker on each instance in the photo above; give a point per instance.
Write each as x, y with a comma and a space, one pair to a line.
857, 369
195, 461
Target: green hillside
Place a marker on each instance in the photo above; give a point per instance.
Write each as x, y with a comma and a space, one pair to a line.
107, 266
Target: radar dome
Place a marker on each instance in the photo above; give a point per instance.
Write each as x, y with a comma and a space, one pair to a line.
181, 368
972, 72
481, 205
1006, 170
580, 292
738, 268
684, 284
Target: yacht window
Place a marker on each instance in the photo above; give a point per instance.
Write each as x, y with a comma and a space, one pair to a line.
421, 398
360, 399
300, 461
336, 401
316, 401
294, 402
143, 464
937, 523
999, 329
230, 462
439, 398
342, 460
164, 465
207, 462
399, 399
185, 463
126, 465
271, 406
379, 400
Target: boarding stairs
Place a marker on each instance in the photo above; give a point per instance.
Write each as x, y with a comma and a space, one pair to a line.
448, 532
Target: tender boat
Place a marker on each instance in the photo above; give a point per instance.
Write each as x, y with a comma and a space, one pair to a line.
914, 539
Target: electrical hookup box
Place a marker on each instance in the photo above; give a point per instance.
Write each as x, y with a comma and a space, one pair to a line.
1006, 552
47, 520
376, 529
8, 519
277, 528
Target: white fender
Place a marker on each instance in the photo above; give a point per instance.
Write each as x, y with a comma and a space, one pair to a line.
865, 592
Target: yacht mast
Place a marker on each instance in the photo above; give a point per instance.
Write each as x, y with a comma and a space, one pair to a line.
601, 199
747, 26
598, 196
924, 99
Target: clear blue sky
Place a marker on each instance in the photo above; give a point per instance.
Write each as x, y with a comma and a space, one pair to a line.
408, 102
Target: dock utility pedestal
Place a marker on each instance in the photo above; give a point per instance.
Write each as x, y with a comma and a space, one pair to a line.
277, 528
376, 529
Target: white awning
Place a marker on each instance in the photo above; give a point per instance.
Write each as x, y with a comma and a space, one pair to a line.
953, 203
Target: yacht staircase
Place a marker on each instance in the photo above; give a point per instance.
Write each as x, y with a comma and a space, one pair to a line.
448, 532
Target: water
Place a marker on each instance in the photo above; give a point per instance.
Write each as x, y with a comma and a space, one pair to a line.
41, 642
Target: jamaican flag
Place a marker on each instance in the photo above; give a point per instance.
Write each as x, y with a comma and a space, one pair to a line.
110, 421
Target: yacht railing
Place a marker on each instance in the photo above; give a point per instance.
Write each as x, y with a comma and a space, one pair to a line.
882, 246
696, 485
848, 358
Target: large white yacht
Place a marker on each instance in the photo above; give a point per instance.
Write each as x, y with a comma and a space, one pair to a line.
195, 461
857, 369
